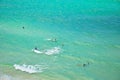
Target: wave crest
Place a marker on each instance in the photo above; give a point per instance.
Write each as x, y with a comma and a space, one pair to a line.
54, 50
29, 68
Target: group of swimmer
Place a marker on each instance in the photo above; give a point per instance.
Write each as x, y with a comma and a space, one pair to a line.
52, 40
55, 40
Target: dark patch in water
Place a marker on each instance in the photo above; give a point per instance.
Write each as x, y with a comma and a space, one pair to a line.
83, 65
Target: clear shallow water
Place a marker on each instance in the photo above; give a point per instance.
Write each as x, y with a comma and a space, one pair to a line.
89, 31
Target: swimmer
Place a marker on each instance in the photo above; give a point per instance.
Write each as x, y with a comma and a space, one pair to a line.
84, 65
23, 27
35, 48
54, 40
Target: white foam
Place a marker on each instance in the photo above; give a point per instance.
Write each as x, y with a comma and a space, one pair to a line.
54, 50
37, 51
49, 39
29, 68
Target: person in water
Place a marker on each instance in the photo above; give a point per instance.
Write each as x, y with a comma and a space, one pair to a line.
36, 48
23, 27
84, 65
54, 40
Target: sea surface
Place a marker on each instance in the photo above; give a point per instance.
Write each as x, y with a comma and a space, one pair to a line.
75, 39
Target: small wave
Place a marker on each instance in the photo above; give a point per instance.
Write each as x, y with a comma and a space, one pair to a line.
37, 51
54, 50
29, 68
51, 39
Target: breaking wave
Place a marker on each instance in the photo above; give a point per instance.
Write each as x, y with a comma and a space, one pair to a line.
30, 68
54, 50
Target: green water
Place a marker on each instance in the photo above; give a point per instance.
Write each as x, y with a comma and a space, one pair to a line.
88, 29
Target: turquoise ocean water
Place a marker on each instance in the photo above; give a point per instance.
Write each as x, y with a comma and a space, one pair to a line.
87, 34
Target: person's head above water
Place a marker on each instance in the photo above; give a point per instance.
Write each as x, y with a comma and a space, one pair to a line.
23, 27
35, 48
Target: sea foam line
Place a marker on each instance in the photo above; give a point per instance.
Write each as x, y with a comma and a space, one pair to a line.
29, 68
